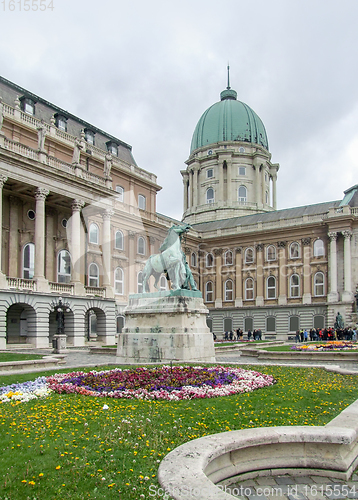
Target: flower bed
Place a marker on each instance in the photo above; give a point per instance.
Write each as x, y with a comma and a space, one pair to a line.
25, 391
170, 383
334, 345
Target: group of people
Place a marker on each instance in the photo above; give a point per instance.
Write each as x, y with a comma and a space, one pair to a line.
324, 334
255, 335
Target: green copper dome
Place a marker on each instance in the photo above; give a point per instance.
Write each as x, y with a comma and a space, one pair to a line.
229, 120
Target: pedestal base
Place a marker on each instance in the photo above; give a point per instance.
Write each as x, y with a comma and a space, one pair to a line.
165, 326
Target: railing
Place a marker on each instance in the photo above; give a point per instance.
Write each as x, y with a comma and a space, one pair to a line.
21, 284
8, 110
16, 147
96, 291
61, 165
62, 288
96, 179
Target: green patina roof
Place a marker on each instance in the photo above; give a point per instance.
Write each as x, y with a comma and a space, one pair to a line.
229, 120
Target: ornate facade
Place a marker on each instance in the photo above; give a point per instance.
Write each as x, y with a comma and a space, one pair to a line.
79, 222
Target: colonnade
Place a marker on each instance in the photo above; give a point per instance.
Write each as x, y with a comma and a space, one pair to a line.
193, 195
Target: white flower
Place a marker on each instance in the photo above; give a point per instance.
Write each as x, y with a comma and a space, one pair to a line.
105, 407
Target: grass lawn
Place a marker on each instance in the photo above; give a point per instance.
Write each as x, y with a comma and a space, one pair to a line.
13, 356
70, 447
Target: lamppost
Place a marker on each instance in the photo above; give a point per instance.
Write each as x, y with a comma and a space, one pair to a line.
59, 340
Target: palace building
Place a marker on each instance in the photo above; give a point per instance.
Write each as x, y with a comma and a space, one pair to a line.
79, 222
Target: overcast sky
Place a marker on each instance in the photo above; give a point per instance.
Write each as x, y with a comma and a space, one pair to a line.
145, 71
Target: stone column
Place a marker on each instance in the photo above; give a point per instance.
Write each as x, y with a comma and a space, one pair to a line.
14, 237
347, 294
229, 182
3, 282
107, 251
51, 254
282, 269
260, 293
263, 186
274, 191
185, 186
39, 272
219, 285
221, 183
307, 295
132, 278
332, 268
238, 263
75, 247
195, 186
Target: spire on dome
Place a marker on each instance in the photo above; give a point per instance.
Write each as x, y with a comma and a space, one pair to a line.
228, 93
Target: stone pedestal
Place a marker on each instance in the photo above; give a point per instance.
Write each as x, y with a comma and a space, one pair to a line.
59, 344
164, 327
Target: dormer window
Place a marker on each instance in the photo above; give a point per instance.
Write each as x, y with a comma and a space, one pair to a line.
61, 122
112, 148
28, 105
89, 136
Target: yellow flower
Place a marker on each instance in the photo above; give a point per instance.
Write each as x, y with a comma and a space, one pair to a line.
58, 467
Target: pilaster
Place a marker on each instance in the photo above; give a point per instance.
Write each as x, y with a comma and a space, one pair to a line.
259, 276
3, 282
332, 267
307, 295
347, 295
238, 263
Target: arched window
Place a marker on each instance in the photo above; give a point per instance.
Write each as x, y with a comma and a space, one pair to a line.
210, 195
209, 292
271, 287
242, 194
318, 321
93, 275
163, 284
141, 245
119, 240
271, 253
120, 323
249, 289
249, 256
270, 324
141, 202
140, 282
294, 324
294, 250
227, 324
318, 248
94, 234
28, 261
228, 259
248, 324
193, 259
63, 267
209, 260
319, 284
294, 285
120, 193
228, 290
118, 281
